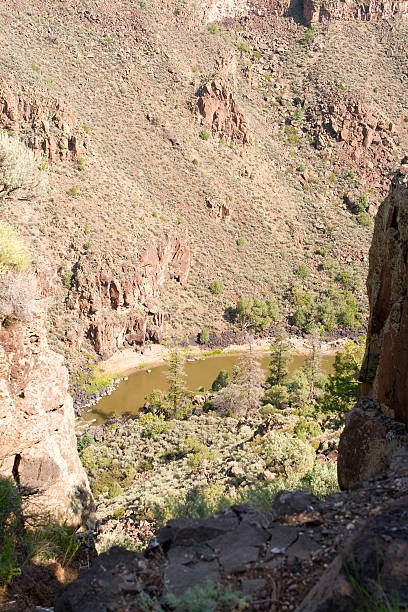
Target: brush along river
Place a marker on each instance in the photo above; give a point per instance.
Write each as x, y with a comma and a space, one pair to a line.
129, 396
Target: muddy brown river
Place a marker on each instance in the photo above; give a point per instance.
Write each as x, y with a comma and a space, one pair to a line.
130, 395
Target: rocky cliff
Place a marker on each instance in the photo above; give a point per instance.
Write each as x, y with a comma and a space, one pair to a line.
384, 371
378, 421
37, 442
114, 302
316, 11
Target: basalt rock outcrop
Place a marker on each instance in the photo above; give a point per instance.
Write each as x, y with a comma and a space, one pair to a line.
385, 365
379, 419
114, 304
43, 123
221, 113
37, 432
317, 11
365, 140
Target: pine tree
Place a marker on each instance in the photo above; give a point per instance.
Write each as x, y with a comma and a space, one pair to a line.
176, 376
279, 358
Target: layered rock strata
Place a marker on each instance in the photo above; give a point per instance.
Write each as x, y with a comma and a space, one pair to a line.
37, 432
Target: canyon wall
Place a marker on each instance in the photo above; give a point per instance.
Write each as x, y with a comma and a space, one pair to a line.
37, 442
379, 420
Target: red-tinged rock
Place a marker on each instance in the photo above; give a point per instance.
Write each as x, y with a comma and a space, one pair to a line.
221, 113
37, 442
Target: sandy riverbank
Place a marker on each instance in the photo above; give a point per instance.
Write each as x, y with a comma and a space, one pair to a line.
128, 361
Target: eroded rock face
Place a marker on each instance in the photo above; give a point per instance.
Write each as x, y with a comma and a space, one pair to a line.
365, 140
37, 440
221, 113
114, 303
316, 11
44, 124
385, 365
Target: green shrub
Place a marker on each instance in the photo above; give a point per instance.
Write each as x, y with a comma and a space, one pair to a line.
216, 288
203, 336
243, 47
72, 191
222, 380
308, 37
365, 219
67, 280
204, 134
288, 456
14, 254
298, 115
361, 203
85, 441
252, 312
307, 430
291, 133
209, 597
302, 271
11, 531
299, 318
241, 241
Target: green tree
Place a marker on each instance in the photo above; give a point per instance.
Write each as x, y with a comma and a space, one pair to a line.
279, 358
342, 388
222, 380
176, 377
256, 314
203, 336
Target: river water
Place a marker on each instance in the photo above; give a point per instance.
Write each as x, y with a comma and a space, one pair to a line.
129, 396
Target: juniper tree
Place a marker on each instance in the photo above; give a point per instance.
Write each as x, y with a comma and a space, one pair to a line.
279, 358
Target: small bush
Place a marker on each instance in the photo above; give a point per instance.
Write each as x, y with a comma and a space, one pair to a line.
241, 241
203, 336
365, 219
222, 380
209, 597
20, 171
243, 47
17, 297
216, 288
85, 441
302, 271
14, 254
72, 191
204, 134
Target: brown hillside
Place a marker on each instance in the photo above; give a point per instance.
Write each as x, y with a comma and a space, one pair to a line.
115, 95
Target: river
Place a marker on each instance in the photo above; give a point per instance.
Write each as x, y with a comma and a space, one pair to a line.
129, 396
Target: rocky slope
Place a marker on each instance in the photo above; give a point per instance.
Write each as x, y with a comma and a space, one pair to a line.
119, 101
38, 444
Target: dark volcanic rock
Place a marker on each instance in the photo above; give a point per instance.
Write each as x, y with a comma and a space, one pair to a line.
385, 366
366, 443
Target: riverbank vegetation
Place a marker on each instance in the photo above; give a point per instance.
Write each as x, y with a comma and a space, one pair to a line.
243, 440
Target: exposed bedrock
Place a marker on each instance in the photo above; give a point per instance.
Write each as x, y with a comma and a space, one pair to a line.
37, 441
